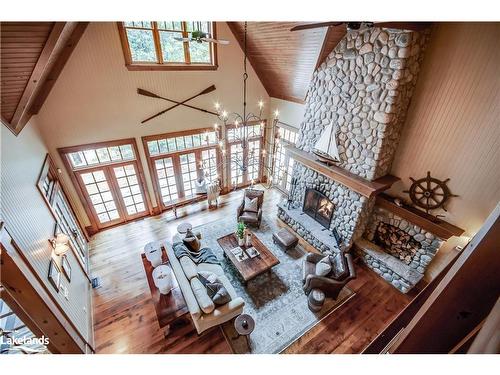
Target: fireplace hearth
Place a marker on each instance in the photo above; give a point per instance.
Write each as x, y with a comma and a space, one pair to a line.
318, 206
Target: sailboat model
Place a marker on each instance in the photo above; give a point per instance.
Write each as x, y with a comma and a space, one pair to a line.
326, 148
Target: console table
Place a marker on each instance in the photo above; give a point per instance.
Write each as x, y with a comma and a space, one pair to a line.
171, 309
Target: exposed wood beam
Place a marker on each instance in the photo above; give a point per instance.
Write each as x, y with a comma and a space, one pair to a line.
56, 52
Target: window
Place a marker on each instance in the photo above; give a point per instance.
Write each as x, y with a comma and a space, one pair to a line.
178, 160
156, 45
245, 159
282, 163
110, 181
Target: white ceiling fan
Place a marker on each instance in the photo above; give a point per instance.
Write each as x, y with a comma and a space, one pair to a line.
200, 37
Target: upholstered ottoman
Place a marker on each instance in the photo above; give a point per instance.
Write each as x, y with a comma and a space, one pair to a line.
285, 239
315, 300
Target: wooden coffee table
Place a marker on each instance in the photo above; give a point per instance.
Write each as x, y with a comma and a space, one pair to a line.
251, 267
171, 309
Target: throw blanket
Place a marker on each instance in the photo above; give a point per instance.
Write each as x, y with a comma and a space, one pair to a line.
205, 255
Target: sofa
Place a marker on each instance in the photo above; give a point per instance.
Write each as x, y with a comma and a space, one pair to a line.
203, 312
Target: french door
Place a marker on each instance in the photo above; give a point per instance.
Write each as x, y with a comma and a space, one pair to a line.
176, 174
245, 164
114, 193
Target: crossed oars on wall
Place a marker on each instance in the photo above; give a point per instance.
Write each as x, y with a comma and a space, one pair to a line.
176, 103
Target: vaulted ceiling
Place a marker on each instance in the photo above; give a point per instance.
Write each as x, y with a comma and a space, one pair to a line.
285, 60
32, 55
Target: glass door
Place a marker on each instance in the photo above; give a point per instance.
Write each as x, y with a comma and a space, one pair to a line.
131, 192
101, 197
189, 173
114, 193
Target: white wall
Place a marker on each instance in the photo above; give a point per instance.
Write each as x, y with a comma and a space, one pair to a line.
453, 126
31, 224
95, 97
291, 113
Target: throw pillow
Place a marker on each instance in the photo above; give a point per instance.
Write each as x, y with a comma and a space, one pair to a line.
323, 267
191, 241
215, 289
339, 268
251, 205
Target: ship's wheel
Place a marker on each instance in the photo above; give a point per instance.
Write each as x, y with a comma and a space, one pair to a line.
429, 193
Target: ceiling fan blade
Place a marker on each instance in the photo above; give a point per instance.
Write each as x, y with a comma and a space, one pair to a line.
182, 39
212, 40
413, 26
315, 25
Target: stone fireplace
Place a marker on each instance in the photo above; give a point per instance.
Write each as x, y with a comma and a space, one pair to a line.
396, 242
318, 206
364, 88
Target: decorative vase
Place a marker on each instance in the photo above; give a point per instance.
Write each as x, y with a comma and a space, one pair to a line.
248, 240
153, 253
162, 277
241, 241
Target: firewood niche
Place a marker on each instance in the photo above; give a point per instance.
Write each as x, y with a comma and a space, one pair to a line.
424, 220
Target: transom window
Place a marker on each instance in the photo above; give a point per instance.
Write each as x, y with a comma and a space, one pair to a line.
180, 143
103, 155
159, 43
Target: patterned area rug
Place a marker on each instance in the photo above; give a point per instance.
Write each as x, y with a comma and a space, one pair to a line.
274, 299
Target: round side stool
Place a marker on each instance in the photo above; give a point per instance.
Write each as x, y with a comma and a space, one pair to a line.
315, 300
182, 228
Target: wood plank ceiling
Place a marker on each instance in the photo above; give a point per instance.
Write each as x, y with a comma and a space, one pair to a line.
32, 55
285, 60
21, 46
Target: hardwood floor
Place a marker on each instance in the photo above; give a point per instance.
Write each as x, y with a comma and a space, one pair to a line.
125, 319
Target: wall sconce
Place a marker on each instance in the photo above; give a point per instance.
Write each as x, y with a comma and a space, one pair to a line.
60, 244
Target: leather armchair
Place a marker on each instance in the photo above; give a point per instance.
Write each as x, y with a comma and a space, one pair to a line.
331, 285
251, 218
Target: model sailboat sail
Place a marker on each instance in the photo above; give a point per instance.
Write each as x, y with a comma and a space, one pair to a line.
326, 147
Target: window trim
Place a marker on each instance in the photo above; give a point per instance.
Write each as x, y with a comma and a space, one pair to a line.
152, 66
72, 172
175, 156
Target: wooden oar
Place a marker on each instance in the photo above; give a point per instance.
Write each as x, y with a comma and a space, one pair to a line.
206, 91
153, 95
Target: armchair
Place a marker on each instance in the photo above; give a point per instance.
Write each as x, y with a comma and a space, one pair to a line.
251, 218
331, 284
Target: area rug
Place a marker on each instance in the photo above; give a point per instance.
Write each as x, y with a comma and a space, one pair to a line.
274, 299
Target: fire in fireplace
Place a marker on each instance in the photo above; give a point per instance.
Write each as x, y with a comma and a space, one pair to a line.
318, 206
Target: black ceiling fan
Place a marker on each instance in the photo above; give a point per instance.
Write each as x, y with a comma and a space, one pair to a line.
412, 26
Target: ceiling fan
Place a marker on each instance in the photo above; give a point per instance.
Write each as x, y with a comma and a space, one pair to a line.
200, 37
361, 26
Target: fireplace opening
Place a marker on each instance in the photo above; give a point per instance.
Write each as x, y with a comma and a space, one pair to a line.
318, 206
396, 242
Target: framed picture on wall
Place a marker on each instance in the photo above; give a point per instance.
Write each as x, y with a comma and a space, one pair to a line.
54, 275
66, 267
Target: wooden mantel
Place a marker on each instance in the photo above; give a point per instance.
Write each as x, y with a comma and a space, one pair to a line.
352, 181
440, 228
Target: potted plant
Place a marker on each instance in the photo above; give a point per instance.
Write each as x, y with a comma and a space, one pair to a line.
240, 233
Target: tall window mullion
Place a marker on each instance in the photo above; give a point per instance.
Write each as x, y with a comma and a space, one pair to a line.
185, 34
156, 36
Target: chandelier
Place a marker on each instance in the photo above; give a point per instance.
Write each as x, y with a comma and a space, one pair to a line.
242, 128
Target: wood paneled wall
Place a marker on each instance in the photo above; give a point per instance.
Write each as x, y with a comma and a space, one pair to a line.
453, 125
31, 225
